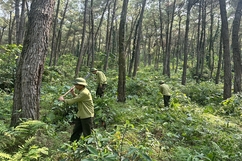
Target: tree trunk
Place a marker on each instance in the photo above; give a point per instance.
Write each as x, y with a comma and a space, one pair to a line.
184, 73
53, 42
17, 19
227, 65
236, 48
110, 36
81, 51
92, 35
10, 28
219, 59
59, 35
139, 34
107, 45
198, 49
122, 70
31, 63
2, 33
178, 47
131, 62
202, 41
209, 57
161, 29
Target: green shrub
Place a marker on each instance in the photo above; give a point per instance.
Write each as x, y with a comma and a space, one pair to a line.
204, 93
8, 59
231, 106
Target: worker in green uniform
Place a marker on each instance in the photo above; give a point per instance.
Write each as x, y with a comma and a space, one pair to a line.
166, 92
85, 114
101, 81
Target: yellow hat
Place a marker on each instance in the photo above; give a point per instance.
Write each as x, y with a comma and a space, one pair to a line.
80, 81
93, 70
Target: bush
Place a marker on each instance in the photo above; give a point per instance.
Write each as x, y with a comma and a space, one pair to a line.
204, 93
231, 106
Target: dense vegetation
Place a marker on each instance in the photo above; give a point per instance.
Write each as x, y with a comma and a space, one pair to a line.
199, 125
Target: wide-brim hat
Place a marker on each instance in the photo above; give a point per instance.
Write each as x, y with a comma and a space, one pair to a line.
80, 81
161, 82
93, 69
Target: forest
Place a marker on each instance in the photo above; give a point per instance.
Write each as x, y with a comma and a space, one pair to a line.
194, 46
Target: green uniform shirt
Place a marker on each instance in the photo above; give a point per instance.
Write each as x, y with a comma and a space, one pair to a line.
101, 78
165, 90
85, 104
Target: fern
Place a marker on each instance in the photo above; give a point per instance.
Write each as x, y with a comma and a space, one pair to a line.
23, 134
29, 127
6, 137
21, 140
30, 152
4, 156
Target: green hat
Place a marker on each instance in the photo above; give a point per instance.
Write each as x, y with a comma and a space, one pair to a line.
80, 81
161, 82
93, 70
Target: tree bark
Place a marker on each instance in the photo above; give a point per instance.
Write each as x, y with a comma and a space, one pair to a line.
81, 51
189, 6
31, 62
59, 35
219, 59
236, 48
107, 45
17, 19
53, 42
137, 51
22, 23
227, 65
122, 70
10, 28
167, 61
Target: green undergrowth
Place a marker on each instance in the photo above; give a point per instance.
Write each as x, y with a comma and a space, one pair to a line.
199, 125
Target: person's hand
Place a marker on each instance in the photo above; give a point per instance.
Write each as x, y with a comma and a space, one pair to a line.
73, 92
61, 98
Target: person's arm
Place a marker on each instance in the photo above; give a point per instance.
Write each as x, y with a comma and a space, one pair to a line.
61, 98
73, 93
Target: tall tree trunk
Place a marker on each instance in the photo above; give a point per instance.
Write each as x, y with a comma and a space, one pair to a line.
198, 49
210, 47
227, 65
107, 45
53, 42
219, 59
81, 51
17, 19
167, 72
10, 28
161, 29
137, 51
92, 35
184, 73
167, 43
236, 48
68, 34
2, 33
178, 47
21, 24
101, 20
31, 64
149, 51
59, 34
110, 36
121, 61
131, 62
203, 33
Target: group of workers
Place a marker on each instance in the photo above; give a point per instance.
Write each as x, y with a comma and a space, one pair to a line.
85, 115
